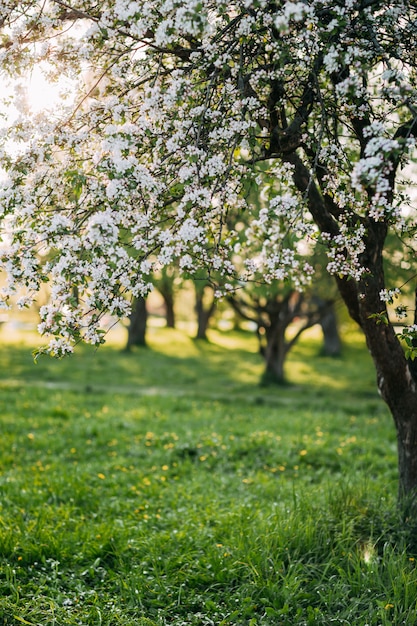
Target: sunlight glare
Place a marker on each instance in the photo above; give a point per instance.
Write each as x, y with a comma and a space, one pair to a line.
43, 95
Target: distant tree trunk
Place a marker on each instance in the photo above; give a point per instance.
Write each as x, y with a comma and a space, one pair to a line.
166, 289
274, 353
277, 315
204, 309
168, 297
332, 344
138, 322
273, 314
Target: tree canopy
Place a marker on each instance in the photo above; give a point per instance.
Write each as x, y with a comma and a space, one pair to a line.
179, 107
175, 106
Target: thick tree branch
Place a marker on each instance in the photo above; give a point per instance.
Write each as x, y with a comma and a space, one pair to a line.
71, 13
305, 184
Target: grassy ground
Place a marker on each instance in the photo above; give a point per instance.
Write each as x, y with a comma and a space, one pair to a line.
165, 487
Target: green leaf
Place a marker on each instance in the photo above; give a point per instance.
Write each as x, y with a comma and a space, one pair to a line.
380, 318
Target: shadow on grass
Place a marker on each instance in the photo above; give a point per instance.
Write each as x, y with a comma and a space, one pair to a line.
228, 368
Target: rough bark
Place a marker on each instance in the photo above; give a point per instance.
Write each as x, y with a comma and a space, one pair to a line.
395, 379
398, 389
395, 375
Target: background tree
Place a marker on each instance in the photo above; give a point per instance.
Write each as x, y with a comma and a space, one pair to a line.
165, 283
149, 166
325, 297
332, 343
138, 319
273, 311
205, 306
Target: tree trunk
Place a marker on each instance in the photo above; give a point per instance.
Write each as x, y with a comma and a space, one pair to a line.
169, 308
332, 345
272, 316
138, 322
398, 388
274, 354
396, 382
165, 286
204, 311
407, 451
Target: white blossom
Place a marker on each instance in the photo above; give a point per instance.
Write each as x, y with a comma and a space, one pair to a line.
388, 295
200, 133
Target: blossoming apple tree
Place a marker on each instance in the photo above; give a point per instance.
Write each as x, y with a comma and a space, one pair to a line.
177, 107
